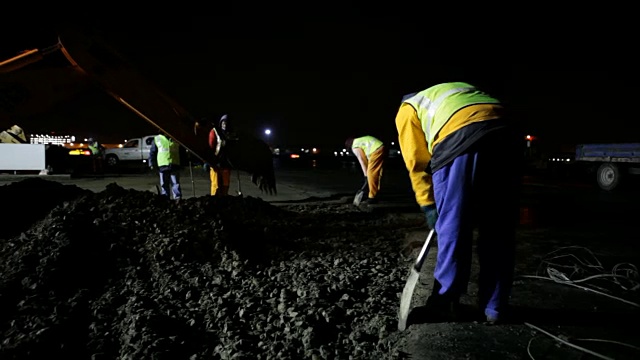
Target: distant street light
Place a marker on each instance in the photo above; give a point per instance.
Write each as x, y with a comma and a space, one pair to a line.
267, 132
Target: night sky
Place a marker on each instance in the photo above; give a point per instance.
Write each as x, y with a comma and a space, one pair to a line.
318, 78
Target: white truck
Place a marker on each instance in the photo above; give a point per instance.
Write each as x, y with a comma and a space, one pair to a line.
133, 150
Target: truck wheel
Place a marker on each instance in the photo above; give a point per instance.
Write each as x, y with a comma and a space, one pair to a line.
112, 160
608, 176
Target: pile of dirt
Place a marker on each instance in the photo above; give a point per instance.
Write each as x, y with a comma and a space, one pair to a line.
31, 200
127, 274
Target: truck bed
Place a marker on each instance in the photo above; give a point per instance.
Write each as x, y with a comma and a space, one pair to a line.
622, 152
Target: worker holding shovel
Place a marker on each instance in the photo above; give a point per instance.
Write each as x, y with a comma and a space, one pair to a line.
462, 154
370, 153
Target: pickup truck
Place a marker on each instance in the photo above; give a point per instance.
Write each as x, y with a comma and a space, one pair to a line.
136, 149
610, 162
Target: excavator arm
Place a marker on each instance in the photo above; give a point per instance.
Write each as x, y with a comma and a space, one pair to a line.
102, 65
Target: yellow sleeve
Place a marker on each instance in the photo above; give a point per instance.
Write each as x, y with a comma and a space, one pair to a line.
414, 150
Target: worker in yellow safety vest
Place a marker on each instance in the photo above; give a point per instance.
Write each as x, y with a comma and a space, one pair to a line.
165, 156
371, 154
461, 151
97, 155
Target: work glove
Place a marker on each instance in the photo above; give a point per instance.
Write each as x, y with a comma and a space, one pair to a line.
431, 214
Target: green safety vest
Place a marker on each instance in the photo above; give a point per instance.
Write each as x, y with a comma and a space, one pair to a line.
437, 104
368, 143
168, 151
95, 149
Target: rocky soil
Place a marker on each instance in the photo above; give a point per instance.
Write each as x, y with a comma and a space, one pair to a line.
124, 274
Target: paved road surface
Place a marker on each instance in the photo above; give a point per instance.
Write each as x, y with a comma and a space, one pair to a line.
542, 202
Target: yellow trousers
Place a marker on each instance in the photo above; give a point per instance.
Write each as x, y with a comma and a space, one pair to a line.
220, 180
374, 171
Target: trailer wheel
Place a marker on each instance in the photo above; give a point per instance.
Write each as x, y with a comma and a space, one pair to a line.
608, 176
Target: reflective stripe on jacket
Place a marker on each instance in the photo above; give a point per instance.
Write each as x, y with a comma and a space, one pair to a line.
435, 105
168, 151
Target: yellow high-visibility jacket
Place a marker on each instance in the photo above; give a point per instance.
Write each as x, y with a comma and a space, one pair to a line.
451, 134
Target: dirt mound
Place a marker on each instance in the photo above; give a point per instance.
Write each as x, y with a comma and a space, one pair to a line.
32, 199
127, 274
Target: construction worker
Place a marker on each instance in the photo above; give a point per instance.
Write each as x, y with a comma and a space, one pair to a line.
461, 151
97, 155
220, 172
165, 156
370, 153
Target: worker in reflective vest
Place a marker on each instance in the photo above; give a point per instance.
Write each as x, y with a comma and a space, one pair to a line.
97, 155
461, 152
165, 155
371, 154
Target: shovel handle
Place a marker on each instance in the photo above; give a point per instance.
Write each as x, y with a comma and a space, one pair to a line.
424, 251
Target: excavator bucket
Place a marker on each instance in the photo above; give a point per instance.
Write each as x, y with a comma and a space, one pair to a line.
97, 61
248, 152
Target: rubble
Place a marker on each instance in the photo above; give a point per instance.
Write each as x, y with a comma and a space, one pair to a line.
126, 274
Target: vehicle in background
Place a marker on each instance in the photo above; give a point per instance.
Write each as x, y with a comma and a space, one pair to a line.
19, 156
611, 163
88, 61
132, 151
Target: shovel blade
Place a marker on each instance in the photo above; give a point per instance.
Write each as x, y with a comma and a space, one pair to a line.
358, 198
405, 300
410, 285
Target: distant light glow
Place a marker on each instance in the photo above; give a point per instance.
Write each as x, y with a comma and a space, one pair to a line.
267, 132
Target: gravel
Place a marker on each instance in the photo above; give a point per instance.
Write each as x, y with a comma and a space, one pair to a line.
125, 274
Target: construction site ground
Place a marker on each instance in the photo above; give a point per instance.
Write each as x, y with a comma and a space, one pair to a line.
576, 292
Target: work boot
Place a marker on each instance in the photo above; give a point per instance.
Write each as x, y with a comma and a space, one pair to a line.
370, 201
441, 309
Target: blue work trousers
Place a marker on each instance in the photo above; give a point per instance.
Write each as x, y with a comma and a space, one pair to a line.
478, 189
170, 183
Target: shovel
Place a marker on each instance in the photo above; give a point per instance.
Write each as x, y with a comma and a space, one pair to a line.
409, 287
360, 194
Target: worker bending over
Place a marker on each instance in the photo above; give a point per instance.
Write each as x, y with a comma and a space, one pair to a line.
462, 154
370, 153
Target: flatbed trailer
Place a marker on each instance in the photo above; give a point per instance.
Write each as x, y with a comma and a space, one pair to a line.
611, 162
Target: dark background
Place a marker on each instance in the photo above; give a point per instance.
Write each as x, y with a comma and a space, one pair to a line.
318, 75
